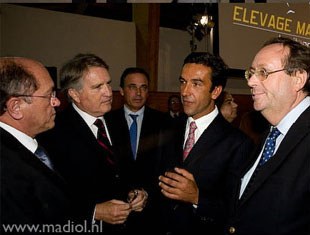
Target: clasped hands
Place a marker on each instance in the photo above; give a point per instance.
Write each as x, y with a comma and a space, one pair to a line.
179, 184
117, 211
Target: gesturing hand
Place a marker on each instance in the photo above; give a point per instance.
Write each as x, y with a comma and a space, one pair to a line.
179, 185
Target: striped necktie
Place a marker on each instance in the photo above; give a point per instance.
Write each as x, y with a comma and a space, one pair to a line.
103, 140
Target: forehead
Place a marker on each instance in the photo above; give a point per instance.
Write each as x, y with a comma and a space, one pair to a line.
196, 71
40, 73
136, 78
94, 73
270, 55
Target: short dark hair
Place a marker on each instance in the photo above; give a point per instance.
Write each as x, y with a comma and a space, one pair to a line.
298, 58
15, 80
132, 70
216, 63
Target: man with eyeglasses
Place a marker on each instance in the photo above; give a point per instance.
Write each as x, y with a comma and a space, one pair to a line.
134, 131
271, 193
32, 193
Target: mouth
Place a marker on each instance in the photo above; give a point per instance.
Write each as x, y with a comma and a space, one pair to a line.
109, 101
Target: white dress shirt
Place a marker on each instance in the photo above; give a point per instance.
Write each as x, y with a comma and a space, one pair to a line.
283, 126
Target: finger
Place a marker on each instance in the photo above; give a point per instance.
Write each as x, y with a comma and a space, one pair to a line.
168, 181
170, 195
184, 173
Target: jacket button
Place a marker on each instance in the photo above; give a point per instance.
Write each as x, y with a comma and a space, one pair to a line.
232, 230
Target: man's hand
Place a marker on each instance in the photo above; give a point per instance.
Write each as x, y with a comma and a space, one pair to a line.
137, 199
113, 211
179, 185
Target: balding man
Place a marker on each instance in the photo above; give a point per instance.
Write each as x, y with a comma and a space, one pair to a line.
32, 193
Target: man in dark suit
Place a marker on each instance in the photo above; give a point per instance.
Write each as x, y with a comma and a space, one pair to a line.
175, 112
271, 193
32, 193
138, 162
84, 155
200, 154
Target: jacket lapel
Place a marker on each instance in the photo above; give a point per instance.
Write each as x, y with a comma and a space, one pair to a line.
295, 134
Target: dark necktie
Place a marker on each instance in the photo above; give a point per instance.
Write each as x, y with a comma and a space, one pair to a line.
269, 146
266, 155
190, 140
133, 134
41, 154
103, 140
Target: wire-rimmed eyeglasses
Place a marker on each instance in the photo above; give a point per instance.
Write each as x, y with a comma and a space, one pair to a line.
261, 74
51, 96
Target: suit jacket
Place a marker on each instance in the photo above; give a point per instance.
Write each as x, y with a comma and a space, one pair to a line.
31, 193
139, 172
278, 201
142, 172
82, 162
220, 149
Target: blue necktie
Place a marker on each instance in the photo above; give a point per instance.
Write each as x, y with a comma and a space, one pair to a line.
269, 146
133, 134
41, 154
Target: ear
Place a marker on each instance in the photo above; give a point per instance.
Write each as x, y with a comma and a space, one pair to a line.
216, 92
121, 91
74, 94
14, 108
300, 79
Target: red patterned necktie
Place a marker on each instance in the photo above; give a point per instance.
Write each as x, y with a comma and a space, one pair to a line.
103, 140
190, 140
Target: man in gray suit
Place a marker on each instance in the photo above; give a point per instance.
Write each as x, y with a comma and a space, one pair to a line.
272, 191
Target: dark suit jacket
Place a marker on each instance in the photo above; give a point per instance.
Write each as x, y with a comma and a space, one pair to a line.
142, 172
82, 162
139, 172
220, 148
31, 193
278, 202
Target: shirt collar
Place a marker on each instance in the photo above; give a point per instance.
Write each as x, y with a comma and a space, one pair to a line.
30, 143
128, 111
203, 122
289, 119
89, 119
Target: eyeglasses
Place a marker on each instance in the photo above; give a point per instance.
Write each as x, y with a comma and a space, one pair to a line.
261, 74
51, 96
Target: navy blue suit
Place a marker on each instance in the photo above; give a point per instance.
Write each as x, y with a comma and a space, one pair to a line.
219, 150
278, 201
83, 163
31, 193
142, 172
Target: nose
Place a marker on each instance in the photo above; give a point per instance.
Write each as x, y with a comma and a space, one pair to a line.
185, 89
138, 90
107, 89
253, 80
